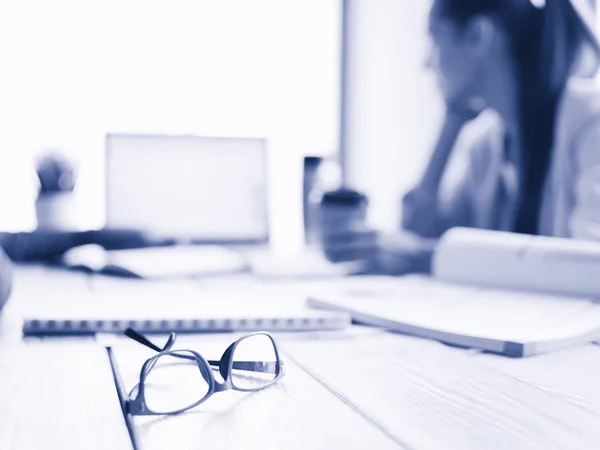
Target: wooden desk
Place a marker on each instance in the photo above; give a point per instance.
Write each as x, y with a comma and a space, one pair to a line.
363, 388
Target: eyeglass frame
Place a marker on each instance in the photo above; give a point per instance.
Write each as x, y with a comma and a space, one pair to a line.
137, 405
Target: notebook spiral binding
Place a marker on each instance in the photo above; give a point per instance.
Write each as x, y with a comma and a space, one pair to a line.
333, 321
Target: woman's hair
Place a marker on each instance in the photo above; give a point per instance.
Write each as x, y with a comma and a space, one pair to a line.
545, 42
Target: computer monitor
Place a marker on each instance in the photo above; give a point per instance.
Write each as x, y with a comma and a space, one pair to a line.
202, 189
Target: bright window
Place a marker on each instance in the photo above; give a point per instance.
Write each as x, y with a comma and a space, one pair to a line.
75, 70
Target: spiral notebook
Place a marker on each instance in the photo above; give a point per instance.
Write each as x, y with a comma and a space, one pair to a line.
305, 321
162, 308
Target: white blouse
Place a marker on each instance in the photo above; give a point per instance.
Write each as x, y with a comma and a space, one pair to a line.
483, 191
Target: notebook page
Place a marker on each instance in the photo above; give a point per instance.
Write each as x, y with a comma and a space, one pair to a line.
165, 306
470, 311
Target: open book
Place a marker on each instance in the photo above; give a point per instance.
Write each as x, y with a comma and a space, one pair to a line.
507, 293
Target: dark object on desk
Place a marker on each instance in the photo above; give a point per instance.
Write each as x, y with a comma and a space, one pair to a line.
48, 245
321, 175
6, 278
123, 239
311, 166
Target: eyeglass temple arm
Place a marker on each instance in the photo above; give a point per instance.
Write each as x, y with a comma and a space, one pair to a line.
138, 337
256, 366
251, 366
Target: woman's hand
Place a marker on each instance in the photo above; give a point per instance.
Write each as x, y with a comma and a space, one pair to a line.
382, 253
420, 212
464, 109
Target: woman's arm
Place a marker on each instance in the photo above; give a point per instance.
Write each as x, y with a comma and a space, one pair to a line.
40, 245
403, 252
421, 212
425, 217
43, 245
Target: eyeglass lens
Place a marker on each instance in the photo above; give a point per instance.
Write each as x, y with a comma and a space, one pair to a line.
175, 382
255, 363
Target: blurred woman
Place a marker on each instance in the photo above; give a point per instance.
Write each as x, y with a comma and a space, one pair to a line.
530, 129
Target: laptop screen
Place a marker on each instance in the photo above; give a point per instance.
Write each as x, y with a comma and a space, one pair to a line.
199, 188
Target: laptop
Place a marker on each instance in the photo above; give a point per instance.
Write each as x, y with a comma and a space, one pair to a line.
200, 190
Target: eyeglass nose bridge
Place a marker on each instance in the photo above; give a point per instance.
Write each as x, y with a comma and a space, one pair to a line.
136, 407
220, 387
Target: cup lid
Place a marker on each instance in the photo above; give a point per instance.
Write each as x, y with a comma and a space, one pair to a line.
344, 197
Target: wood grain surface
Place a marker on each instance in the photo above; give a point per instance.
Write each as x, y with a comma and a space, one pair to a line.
432, 396
361, 388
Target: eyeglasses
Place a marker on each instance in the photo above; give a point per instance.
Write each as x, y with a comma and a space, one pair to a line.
174, 381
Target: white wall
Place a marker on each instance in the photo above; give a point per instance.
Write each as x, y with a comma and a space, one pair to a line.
394, 111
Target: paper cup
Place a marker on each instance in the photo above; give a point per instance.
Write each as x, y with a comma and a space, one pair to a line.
342, 211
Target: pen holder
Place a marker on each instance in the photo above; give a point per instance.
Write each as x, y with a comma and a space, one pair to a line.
55, 211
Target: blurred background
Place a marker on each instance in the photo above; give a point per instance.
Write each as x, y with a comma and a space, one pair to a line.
74, 71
